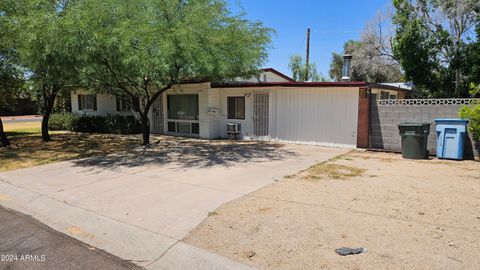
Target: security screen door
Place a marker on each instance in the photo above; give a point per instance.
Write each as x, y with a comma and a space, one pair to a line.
260, 115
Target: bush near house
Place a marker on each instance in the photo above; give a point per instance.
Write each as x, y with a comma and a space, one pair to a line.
63, 121
114, 124
472, 113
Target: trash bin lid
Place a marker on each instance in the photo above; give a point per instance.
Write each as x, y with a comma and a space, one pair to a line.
413, 124
440, 120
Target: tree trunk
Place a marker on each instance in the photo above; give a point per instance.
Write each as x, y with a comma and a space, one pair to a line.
49, 102
3, 136
145, 129
457, 83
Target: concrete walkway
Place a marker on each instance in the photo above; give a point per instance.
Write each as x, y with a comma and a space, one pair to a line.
141, 213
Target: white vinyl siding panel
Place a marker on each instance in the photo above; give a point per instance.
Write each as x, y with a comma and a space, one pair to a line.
106, 104
322, 116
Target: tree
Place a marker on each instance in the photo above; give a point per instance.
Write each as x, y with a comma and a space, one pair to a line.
139, 49
11, 77
11, 82
43, 42
431, 41
373, 59
472, 64
301, 72
336, 66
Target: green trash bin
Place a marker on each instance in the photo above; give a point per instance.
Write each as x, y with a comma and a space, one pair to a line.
414, 139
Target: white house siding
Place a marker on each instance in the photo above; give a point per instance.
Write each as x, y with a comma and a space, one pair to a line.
106, 104
209, 103
308, 115
246, 125
206, 98
320, 116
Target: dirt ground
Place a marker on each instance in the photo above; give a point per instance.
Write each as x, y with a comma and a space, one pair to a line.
407, 214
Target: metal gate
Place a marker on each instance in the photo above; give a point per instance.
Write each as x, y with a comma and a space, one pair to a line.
157, 116
260, 115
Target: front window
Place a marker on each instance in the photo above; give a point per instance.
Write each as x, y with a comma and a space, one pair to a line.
183, 114
384, 95
236, 108
87, 102
182, 107
123, 105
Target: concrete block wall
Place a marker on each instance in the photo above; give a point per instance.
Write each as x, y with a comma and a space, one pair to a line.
385, 118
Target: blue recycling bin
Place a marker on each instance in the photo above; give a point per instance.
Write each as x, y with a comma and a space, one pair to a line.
451, 135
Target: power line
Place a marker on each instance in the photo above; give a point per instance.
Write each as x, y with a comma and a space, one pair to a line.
337, 32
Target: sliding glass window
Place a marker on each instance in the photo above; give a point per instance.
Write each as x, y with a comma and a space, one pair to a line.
183, 114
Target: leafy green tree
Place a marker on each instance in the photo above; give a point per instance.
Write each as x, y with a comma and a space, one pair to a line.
472, 113
472, 64
301, 72
11, 77
139, 49
11, 84
431, 42
43, 43
336, 65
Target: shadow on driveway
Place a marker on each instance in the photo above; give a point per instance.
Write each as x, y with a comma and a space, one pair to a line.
189, 153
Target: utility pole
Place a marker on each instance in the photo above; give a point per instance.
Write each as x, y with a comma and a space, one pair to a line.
308, 55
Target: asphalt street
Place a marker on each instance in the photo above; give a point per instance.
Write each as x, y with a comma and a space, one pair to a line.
25, 243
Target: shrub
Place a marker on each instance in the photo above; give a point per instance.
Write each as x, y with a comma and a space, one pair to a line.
472, 113
62, 121
91, 124
115, 124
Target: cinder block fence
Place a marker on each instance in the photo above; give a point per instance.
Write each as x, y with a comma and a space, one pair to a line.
387, 114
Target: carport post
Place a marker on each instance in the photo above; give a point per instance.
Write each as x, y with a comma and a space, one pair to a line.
363, 126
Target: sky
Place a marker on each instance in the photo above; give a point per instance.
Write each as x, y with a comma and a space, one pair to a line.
332, 22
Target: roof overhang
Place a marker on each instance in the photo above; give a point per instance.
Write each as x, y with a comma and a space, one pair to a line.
388, 87
290, 84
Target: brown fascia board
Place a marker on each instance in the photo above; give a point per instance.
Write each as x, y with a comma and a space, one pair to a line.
388, 87
300, 84
291, 84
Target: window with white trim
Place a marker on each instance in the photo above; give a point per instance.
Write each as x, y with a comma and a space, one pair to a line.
183, 114
236, 108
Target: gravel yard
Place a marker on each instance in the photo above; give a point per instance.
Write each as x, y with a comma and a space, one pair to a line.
408, 215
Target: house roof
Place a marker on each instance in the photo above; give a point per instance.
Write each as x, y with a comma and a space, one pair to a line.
292, 83
404, 85
307, 84
288, 84
278, 73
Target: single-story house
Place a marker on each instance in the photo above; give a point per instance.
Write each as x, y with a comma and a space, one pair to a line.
272, 107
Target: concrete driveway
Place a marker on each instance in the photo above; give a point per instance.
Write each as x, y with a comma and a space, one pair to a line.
140, 206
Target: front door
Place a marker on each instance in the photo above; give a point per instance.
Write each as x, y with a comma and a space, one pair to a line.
260, 115
157, 116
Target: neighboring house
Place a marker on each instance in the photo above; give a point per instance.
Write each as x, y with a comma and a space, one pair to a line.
272, 107
385, 93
